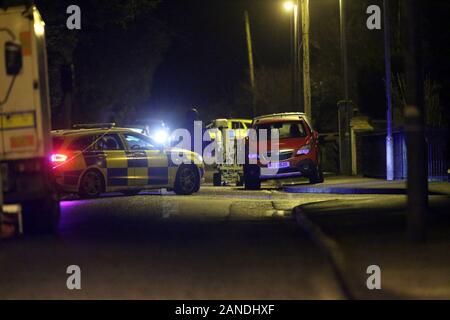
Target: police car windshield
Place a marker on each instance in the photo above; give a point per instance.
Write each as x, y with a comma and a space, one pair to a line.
139, 142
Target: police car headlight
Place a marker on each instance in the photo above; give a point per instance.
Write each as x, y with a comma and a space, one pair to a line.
161, 136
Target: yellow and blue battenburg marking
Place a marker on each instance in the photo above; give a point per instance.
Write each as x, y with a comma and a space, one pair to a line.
130, 168
125, 168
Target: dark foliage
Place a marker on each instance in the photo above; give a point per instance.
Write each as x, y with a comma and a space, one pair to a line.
113, 58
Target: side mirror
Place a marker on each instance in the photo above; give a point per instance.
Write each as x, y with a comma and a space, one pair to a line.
13, 58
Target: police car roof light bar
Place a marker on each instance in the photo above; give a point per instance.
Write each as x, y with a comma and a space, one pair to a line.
94, 125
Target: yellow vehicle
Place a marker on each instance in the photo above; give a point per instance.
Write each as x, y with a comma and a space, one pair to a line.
93, 159
238, 126
229, 132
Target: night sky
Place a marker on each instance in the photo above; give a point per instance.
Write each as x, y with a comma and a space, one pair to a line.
206, 66
208, 56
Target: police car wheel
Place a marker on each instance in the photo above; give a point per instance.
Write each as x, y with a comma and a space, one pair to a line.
92, 184
187, 181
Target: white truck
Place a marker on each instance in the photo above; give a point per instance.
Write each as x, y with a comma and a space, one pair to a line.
25, 124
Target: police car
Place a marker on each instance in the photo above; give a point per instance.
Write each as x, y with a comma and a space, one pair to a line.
93, 159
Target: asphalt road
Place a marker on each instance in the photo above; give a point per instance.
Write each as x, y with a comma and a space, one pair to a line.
222, 243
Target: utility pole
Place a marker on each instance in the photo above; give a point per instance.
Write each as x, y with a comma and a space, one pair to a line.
293, 61
343, 34
306, 73
296, 57
414, 118
387, 59
250, 61
293, 6
345, 109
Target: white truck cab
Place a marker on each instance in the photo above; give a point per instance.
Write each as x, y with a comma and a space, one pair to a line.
25, 124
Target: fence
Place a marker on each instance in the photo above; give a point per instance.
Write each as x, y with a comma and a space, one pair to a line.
372, 154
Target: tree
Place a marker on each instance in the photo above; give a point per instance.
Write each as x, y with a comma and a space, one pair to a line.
113, 57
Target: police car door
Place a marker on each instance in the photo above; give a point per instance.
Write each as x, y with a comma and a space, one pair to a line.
116, 161
150, 164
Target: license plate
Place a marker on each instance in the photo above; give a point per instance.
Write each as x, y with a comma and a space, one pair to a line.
278, 165
18, 120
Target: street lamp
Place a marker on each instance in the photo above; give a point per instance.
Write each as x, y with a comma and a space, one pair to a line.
290, 6
305, 62
294, 7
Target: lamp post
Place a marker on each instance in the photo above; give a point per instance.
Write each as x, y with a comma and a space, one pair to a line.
292, 6
345, 111
250, 61
305, 45
387, 57
414, 119
343, 35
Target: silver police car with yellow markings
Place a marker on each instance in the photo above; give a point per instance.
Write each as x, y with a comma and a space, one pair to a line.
93, 159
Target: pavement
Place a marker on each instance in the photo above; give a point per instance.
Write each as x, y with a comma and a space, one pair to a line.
360, 185
357, 234
222, 243
229, 243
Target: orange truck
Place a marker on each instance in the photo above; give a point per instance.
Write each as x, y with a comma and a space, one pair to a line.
25, 124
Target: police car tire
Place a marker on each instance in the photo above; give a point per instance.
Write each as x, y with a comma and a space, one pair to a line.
83, 193
182, 189
197, 188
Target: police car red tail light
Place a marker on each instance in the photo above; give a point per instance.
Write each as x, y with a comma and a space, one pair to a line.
58, 158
